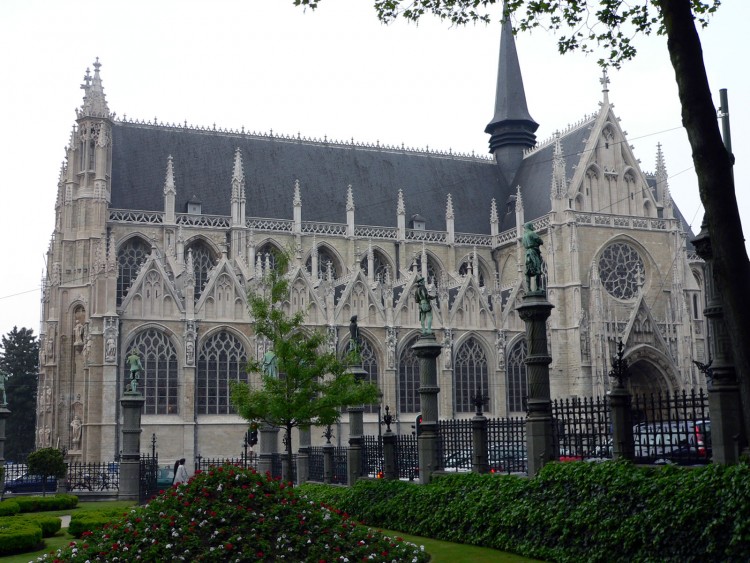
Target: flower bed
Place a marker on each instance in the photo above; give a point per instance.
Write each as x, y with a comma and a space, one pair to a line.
234, 514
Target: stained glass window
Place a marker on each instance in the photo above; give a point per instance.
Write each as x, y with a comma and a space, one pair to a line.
471, 375
408, 380
203, 261
518, 390
621, 269
130, 258
159, 377
222, 359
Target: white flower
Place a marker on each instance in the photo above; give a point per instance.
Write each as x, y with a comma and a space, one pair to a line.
169, 546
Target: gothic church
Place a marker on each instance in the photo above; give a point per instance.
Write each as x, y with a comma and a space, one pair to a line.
162, 229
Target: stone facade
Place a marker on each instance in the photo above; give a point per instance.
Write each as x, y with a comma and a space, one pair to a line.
172, 283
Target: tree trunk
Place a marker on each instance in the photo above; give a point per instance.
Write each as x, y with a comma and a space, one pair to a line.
713, 166
289, 473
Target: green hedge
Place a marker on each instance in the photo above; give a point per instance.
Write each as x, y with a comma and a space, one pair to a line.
9, 508
49, 525
37, 504
570, 512
91, 520
17, 536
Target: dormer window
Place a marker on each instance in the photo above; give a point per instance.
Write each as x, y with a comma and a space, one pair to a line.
418, 222
194, 206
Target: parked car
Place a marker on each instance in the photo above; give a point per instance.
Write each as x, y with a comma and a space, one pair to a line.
31, 484
508, 458
458, 461
684, 442
164, 477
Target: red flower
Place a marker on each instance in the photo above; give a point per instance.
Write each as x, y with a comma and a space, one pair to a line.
259, 554
228, 546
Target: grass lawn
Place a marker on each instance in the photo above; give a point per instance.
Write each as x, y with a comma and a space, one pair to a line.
446, 552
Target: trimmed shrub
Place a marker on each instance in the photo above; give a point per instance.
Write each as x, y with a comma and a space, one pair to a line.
37, 504
49, 525
571, 512
233, 514
17, 536
9, 508
91, 520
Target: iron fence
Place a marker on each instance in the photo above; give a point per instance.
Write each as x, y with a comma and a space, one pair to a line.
506, 445
315, 464
583, 429
340, 473
455, 445
93, 476
372, 456
147, 477
14, 471
672, 428
247, 461
407, 457
277, 465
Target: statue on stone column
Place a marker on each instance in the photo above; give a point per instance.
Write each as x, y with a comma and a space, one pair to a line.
136, 367
531, 242
423, 297
354, 345
3, 379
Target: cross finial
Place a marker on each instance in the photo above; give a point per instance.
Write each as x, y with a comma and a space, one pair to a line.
86, 79
604, 80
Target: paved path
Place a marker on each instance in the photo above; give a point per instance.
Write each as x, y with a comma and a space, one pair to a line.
65, 520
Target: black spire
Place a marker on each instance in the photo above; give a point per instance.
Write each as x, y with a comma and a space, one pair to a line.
512, 128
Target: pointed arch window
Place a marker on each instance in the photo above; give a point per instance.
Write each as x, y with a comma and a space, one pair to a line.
433, 270
325, 257
203, 261
130, 257
380, 265
370, 365
408, 379
267, 255
518, 390
159, 377
222, 359
467, 268
471, 375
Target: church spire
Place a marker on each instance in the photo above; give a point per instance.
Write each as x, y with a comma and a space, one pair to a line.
94, 102
512, 127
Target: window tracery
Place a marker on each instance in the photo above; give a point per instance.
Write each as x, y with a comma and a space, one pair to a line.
408, 379
222, 359
471, 375
518, 390
620, 270
159, 377
130, 257
203, 261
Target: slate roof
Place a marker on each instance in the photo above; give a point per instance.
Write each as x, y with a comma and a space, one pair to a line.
203, 165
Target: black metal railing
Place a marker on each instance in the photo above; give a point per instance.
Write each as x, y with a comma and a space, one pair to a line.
672, 428
372, 456
315, 464
340, 473
249, 461
455, 445
506, 445
92, 477
583, 429
407, 457
147, 477
277, 465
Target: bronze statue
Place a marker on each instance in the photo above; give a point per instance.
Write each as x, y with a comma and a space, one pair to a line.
423, 297
531, 242
136, 367
270, 365
353, 335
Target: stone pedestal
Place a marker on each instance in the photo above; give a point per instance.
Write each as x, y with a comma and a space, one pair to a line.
622, 424
535, 311
479, 461
390, 470
303, 456
328, 463
724, 403
4, 414
356, 431
130, 461
427, 350
269, 445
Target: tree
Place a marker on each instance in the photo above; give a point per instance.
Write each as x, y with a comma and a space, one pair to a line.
47, 462
303, 385
611, 25
19, 360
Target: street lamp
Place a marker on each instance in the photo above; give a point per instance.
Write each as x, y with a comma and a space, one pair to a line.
619, 367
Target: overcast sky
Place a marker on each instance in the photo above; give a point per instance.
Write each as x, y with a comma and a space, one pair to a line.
264, 64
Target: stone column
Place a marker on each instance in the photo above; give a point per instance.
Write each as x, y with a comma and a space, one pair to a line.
724, 391
427, 350
130, 462
356, 431
390, 469
269, 445
535, 311
4, 414
328, 463
622, 424
479, 461
303, 456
